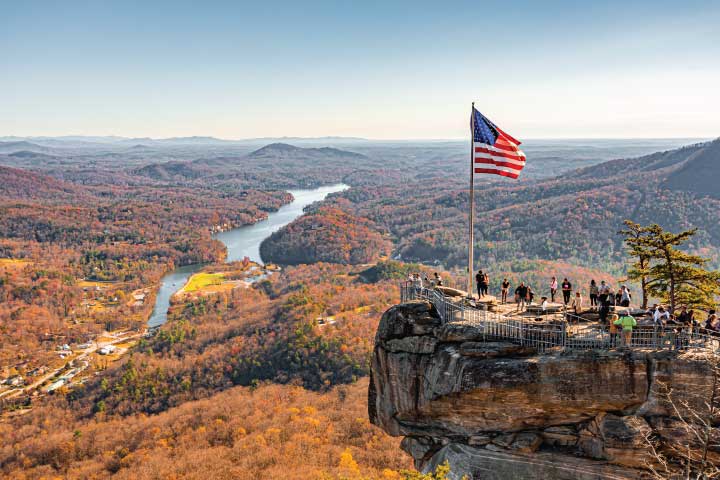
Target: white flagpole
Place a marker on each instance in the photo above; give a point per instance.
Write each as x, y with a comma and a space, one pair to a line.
472, 203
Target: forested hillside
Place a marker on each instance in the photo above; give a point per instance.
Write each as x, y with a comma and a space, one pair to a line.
241, 374
311, 326
573, 217
56, 236
275, 166
326, 235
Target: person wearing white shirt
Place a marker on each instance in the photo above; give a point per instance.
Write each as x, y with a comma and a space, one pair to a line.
661, 317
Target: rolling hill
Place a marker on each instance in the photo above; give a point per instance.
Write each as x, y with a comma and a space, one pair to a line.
23, 185
700, 173
291, 152
572, 218
277, 165
16, 146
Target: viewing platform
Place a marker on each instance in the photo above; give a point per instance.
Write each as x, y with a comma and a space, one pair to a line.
554, 328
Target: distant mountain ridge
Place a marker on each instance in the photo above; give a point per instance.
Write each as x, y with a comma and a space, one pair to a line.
190, 140
240, 166
284, 150
22, 145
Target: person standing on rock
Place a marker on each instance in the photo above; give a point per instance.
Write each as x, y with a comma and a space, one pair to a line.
520, 295
604, 311
613, 330
627, 322
603, 292
661, 317
577, 303
567, 290
481, 280
486, 283
594, 291
553, 289
504, 290
417, 282
438, 280
625, 296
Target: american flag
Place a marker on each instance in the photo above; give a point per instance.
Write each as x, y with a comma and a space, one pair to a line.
494, 151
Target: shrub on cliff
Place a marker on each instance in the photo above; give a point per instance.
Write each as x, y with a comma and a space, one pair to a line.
390, 270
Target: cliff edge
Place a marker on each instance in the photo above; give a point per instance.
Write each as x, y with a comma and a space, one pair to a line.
497, 410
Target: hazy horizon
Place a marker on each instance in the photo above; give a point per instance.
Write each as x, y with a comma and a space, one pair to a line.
334, 137
383, 71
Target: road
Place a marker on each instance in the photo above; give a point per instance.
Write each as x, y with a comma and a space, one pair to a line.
44, 378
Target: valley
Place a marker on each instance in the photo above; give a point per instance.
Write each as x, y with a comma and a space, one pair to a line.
263, 271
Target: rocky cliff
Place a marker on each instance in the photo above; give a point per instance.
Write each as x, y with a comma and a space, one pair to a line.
497, 410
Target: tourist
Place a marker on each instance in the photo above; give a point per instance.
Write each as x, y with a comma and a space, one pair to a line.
685, 317
553, 289
594, 291
520, 295
486, 283
417, 282
543, 305
438, 280
613, 330
625, 296
426, 282
530, 295
618, 297
604, 310
577, 303
627, 322
566, 290
504, 290
660, 317
611, 296
479, 277
711, 323
603, 292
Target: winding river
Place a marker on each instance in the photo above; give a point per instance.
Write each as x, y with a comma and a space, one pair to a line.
240, 242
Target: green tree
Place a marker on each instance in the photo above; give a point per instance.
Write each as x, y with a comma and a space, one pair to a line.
441, 473
638, 247
677, 276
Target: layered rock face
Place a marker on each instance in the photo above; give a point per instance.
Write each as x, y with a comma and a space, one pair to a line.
497, 410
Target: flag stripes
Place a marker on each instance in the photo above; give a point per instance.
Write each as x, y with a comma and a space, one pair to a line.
494, 151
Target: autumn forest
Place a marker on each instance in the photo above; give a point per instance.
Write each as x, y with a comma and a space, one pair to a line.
259, 366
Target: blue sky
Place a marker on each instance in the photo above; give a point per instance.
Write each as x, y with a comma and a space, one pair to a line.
392, 70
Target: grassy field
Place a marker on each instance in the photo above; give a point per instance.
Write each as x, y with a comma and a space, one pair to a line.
8, 263
203, 280
89, 283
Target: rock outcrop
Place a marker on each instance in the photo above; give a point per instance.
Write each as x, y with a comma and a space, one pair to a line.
498, 410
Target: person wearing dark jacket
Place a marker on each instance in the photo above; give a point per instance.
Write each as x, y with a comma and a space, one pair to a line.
504, 290
479, 277
566, 289
520, 296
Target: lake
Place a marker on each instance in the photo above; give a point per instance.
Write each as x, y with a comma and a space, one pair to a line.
240, 243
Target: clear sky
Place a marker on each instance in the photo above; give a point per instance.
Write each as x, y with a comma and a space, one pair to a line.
371, 69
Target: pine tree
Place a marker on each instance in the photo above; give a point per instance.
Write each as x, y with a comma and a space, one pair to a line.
638, 246
674, 275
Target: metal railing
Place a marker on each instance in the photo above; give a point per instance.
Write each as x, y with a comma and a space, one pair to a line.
553, 332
